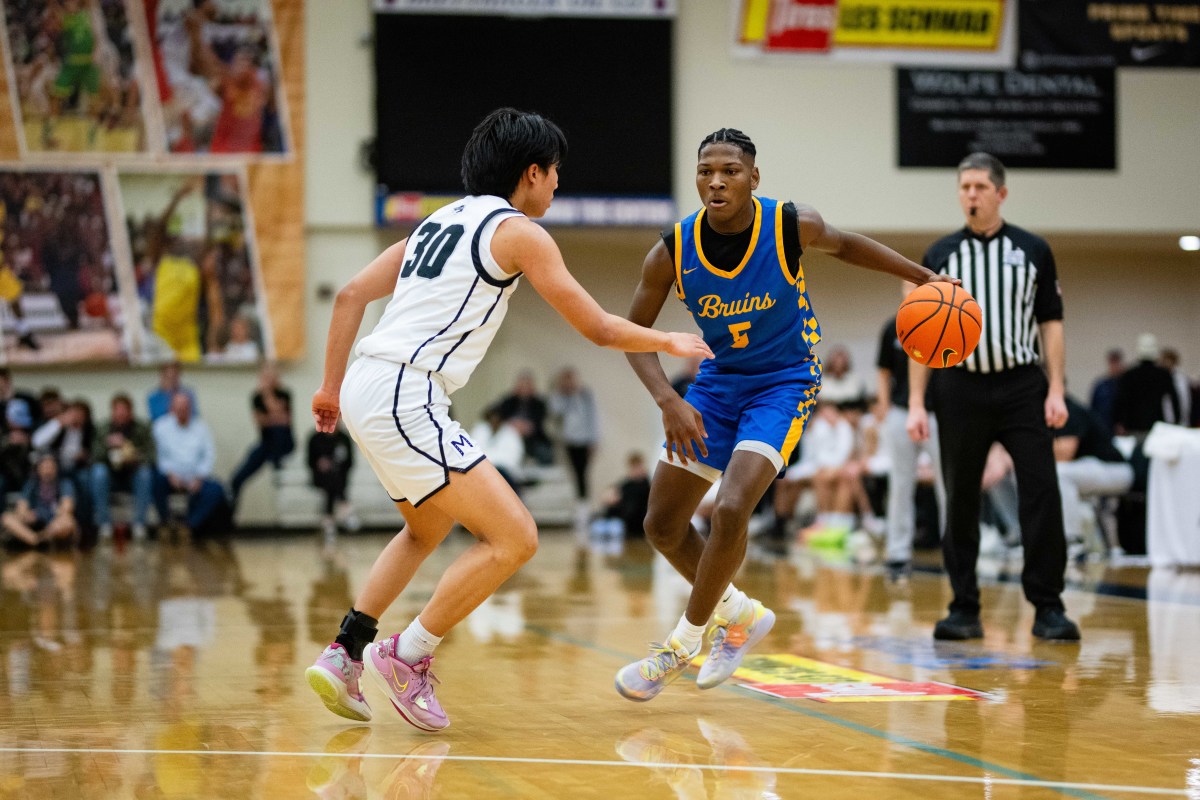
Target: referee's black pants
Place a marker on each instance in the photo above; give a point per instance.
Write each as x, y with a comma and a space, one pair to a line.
973, 410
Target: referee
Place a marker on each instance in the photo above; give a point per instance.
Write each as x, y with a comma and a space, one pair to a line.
1010, 390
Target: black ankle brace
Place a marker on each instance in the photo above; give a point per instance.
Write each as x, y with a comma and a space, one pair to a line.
360, 627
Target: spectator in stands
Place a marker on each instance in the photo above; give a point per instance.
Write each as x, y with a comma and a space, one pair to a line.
1104, 390
272, 407
684, 380
527, 412
186, 454
826, 447
500, 440
839, 384
1145, 392
573, 405
8, 393
891, 407
1089, 466
70, 436
625, 504
1169, 360
159, 401
123, 458
45, 513
330, 458
16, 447
50, 405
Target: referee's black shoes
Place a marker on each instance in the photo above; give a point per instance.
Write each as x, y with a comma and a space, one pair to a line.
958, 626
1053, 625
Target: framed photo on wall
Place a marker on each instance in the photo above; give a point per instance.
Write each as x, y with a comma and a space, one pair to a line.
198, 282
59, 287
74, 77
217, 69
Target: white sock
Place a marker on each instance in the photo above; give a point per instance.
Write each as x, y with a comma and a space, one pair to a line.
416, 643
688, 635
732, 603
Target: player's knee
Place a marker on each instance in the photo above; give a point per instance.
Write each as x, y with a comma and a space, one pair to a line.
517, 549
662, 531
730, 516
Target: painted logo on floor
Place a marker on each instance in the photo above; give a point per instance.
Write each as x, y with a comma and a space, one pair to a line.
789, 676
944, 655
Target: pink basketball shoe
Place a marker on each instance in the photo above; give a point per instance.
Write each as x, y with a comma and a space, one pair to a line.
335, 678
409, 687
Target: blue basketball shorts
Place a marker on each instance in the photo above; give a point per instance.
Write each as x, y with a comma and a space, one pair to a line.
764, 413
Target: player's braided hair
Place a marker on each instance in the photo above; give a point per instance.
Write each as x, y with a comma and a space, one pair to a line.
730, 136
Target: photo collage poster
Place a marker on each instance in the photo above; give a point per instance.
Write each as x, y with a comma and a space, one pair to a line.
126, 231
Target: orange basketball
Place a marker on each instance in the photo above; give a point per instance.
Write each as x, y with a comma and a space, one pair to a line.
938, 324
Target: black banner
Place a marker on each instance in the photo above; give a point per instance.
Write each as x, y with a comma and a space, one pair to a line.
1064, 119
1072, 34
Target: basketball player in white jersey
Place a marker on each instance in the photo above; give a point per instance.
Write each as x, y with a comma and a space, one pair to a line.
450, 282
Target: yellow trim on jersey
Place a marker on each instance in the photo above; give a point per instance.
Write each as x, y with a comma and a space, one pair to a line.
679, 260
733, 273
779, 246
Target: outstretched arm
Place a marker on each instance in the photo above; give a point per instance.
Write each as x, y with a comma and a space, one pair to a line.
856, 249
376, 280
523, 246
682, 423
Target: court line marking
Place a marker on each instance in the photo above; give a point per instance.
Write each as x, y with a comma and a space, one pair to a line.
797, 708
586, 762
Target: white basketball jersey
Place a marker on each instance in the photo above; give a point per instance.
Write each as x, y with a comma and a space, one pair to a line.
451, 295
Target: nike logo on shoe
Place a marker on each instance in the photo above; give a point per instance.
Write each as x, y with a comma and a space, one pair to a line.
395, 681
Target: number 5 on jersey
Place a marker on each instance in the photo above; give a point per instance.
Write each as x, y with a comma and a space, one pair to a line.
738, 331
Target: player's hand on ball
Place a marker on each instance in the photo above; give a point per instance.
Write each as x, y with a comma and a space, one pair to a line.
943, 278
326, 406
687, 345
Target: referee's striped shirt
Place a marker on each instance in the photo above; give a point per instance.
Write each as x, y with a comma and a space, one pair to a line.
1012, 275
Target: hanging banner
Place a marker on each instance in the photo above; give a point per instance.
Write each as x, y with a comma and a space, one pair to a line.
957, 32
1063, 119
1058, 34
541, 8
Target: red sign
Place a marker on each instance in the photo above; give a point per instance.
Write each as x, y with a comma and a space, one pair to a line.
801, 26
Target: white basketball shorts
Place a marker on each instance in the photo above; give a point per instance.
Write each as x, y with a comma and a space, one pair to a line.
400, 418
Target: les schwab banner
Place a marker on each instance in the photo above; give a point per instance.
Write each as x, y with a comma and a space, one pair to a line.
962, 32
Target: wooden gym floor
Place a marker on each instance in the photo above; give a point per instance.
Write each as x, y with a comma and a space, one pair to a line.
165, 671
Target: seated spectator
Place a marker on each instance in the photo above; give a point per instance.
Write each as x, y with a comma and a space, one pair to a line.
8, 393
272, 408
70, 436
826, 447
625, 504
123, 458
159, 401
527, 412
186, 454
330, 457
16, 448
1089, 466
1000, 523
50, 405
502, 444
839, 384
45, 513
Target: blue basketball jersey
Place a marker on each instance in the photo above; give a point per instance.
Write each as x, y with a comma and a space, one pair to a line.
756, 317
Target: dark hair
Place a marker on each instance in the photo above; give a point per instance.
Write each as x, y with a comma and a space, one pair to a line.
729, 136
503, 146
987, 161
121, 397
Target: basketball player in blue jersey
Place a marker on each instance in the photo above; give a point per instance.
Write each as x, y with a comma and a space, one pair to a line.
449, 284
735, 264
